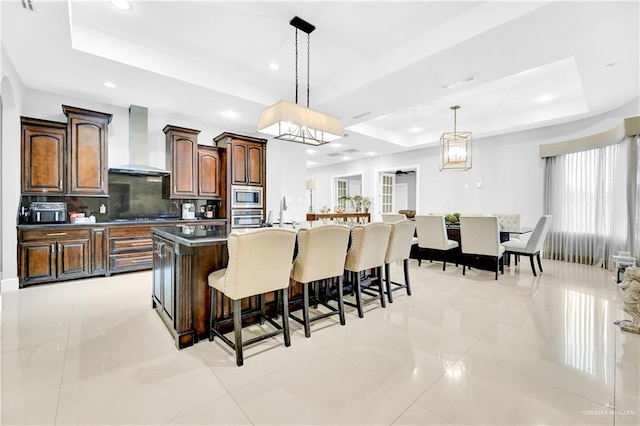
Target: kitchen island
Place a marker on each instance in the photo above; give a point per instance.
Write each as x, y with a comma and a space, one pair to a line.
183, 258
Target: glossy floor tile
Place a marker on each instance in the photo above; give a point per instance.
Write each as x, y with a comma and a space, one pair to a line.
521, 350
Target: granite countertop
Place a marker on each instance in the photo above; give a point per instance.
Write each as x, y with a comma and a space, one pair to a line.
194, 235
159, 222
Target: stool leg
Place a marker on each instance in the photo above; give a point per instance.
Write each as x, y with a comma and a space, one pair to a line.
387, 278
305, 309
285, 317
237, 330
261, 304
212, 318
406, 275
340, 301
539, 262
316, 294
356, 285
383, 300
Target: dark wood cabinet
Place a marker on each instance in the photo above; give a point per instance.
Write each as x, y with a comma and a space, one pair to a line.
87, 152
164, 262
130, 248
182, 160
246, 158
99, 250
50, 254
43, 151
208, 172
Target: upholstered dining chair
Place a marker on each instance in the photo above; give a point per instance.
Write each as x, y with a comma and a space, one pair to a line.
393, 217
259, 262
367, 251
480, 239
508, 221
433, 243
398, 249
321, 255
532, 246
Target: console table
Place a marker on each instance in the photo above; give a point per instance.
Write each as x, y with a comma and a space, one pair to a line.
354, 218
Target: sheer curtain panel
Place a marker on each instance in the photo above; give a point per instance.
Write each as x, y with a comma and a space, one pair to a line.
586, 193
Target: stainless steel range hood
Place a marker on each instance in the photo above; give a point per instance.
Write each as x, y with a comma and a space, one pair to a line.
138, 145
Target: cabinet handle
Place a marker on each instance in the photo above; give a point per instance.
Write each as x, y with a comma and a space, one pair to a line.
53, 248
57, 234
60, 183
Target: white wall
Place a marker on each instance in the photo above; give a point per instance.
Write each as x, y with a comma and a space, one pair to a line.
11, 90
508, 168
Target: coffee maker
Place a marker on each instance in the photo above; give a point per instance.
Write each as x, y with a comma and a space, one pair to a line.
188, 211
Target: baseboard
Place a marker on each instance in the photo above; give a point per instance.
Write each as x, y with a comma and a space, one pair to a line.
9, 284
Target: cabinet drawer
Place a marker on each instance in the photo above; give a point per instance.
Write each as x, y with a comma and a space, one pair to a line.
130, 231
53, 234
131, 245
130, 262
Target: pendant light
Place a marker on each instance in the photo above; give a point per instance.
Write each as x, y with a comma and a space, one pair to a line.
296, 123
455, 148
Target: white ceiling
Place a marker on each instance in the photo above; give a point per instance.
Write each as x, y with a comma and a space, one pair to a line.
379, 66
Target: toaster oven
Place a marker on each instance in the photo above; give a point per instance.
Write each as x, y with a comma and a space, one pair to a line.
41, 212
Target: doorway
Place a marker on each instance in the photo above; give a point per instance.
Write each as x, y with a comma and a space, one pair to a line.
397, 189
344, 186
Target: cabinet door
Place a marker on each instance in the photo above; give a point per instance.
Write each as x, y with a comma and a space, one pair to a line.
73, 258
158, 300
43, 157
37, 262
255, 164
87, 156
98, 250
208, 172
239, 164
182, 157
168, 284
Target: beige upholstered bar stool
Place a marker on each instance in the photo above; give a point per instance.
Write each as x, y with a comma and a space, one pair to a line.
398, 249
367, 251
480, 240
259, 262
321, 255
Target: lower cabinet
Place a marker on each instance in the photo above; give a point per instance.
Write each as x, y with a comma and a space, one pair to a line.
164, 279
130, 248
53, 254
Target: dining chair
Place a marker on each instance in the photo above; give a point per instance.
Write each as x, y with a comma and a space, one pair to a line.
398, 249
531, 247
321, 255
393, 217
367, 252
433, 243
259, 262
480, 241
508, 220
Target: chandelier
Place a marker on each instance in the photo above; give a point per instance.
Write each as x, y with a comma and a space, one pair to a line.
455, 148
296, 123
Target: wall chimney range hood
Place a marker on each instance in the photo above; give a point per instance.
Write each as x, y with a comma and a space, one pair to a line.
138, 145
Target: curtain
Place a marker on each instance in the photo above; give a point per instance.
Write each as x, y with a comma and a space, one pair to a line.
586, 195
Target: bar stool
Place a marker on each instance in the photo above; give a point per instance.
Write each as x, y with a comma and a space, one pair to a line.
321, 256
399, 248
259, 262
367, 251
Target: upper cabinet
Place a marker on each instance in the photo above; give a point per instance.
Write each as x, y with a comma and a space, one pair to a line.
87, 152
43, 148
209, 170
247, 158
182, 157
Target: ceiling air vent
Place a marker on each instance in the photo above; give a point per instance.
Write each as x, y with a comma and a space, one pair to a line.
351, 150
27, 4
334, 154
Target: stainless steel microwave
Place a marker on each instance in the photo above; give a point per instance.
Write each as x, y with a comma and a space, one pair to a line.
41, 212
246, 197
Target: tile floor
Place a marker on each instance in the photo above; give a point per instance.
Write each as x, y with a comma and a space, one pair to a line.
472, 350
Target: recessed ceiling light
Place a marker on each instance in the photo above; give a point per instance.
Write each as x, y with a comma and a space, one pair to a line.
229, 113
312, 163
414, 129
371, 153
122, 4
273, 66
336, 144
345, 158
457, 83
109, 84
310, 151
544, 98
